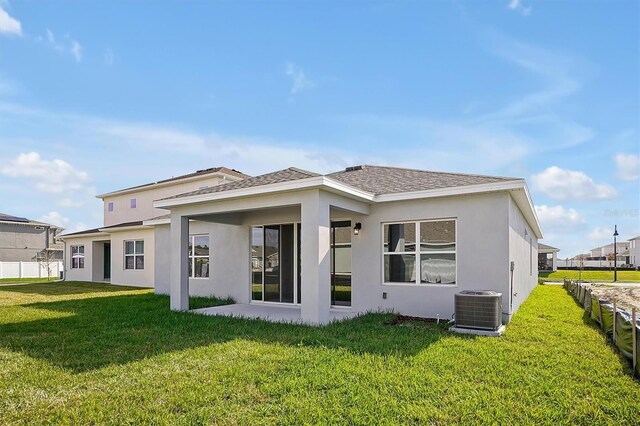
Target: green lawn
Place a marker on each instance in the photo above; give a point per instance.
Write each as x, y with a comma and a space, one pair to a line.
78, 353
25, 280
599, 276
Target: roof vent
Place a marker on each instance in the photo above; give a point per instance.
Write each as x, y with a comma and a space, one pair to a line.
353, 168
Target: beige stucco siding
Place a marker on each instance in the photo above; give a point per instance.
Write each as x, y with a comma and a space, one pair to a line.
123, 213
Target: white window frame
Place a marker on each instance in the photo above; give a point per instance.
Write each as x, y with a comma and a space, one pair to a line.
193, 256
417, 282
79, 256
134, 255
110, 206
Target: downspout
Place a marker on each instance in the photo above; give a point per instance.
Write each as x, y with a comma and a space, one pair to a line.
64, 260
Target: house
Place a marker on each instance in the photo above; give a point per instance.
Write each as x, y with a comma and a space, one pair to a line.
634, 252
25, 240
606, 252
547, 258
123, 250
366, 238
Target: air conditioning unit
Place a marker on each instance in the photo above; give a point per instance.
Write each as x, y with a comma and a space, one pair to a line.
478, 309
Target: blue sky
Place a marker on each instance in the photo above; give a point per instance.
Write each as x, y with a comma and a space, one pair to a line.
96, 96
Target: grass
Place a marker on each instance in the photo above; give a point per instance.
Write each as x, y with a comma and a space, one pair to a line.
79, 353
25, 280
592, 276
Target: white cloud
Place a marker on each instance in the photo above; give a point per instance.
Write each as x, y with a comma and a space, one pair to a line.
50, 176
628, 166
518, 6
600, 234
299, 80
76, 50
66, 45
154, 137
108, 56
563, 184
559, 218
55, 218
69, 202
8, 24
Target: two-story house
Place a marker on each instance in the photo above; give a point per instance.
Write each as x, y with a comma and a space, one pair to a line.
25, 240
122, 251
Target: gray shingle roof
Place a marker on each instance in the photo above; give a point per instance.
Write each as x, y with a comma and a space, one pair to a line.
280, 176
374, 179
390, 180
230, 172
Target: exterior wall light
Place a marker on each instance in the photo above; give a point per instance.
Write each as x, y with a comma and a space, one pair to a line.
357, 228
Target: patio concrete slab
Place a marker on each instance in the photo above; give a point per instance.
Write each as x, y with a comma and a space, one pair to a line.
273, 313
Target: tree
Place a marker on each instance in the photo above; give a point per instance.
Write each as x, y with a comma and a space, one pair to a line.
47, 258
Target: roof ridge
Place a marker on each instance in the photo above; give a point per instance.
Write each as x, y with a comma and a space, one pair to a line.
435, 171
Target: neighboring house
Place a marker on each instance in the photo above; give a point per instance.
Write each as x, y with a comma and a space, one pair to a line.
547, 258
25, 240
122, 251
605, 252
634, 252
363, 239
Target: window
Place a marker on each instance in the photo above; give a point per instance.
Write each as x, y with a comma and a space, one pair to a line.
133, 203
420, 252
199, 256
134, 254
110, 206
77, 257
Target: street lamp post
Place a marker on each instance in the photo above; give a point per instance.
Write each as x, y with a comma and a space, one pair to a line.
615, 255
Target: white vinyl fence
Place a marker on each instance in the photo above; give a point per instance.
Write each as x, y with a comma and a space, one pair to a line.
574, 263
29, 269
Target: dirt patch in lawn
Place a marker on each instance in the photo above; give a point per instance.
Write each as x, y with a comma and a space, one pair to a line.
625, 297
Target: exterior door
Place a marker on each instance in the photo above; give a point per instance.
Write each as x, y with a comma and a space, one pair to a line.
107, 261
341, 263
273, 263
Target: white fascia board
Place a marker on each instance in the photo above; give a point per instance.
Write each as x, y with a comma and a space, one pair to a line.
446, 192
306, 183
523, 200
124, 228
93, 234
152, 186
154, 222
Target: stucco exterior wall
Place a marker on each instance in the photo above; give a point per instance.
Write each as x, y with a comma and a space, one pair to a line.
228, 261
523, 251
634, 252
482, 249
133, 277
123, 213
92, 253
481, 254
21, 243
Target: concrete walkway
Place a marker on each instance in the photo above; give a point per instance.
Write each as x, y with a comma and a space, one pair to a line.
270, 312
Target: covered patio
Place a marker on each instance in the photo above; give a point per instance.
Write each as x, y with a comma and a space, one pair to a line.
238, 212
268, 312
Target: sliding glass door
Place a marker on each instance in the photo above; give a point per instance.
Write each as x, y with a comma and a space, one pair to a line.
273, 263
341, 263
276, 266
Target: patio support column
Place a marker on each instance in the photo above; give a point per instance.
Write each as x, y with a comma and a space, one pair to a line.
315, 258
179, 285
